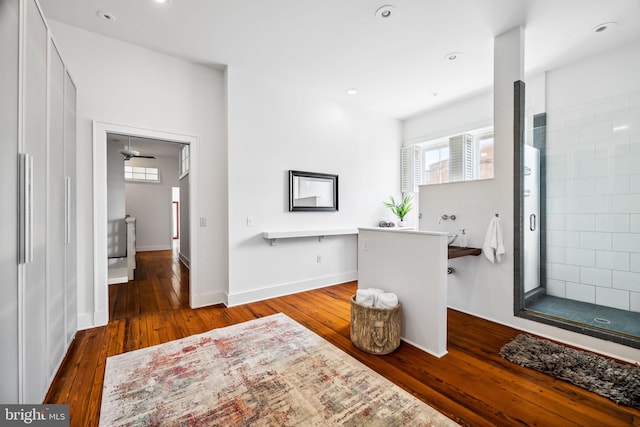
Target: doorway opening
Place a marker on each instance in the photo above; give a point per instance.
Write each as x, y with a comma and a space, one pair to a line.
142, 178
142, 174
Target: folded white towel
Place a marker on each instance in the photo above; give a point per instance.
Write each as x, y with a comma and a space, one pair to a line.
367, 296
493, 247
386, 300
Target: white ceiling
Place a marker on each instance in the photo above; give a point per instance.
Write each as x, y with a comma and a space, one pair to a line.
329, 46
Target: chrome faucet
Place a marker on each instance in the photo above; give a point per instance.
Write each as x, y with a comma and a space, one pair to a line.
446, 217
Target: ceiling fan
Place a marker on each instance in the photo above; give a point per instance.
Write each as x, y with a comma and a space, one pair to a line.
128, 153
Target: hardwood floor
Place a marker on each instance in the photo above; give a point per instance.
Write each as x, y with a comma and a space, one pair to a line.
472, 384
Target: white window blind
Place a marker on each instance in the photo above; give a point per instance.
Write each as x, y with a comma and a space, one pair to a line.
410, 177
461, 157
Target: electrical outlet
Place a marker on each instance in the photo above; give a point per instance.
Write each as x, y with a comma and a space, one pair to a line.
203, 221
249, 221
365, 244
319, 259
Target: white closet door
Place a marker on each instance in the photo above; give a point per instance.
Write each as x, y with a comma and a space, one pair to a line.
9, 35
56, 337
34, 142
71, 249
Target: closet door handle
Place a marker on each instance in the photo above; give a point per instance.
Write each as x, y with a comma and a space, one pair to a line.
67, 210
25, 216
532, 222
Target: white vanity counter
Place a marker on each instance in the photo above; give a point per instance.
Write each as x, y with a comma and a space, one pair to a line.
413, 265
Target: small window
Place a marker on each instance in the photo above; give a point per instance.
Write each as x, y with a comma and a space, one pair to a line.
463, 157
138, 173
436, 164
185, 157
485, 148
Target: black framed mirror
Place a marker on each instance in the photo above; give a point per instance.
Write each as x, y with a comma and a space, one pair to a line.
312, 191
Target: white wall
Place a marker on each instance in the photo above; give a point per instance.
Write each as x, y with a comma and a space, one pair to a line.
409, 264
116, 228
150, 203
607, 75
593, 180
127, 85
474, 203
272, 129
467, 114
479, 287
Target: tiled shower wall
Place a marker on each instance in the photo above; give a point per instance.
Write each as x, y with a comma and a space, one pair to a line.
593, 202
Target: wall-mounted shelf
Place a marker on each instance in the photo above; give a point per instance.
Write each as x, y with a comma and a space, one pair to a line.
457, 252
273, 236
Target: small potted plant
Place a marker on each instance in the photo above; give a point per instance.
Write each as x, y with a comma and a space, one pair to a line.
400, 208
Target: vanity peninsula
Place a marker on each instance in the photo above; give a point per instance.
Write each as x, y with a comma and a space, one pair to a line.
413, 265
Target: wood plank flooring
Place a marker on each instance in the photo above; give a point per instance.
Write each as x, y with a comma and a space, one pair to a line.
472, 384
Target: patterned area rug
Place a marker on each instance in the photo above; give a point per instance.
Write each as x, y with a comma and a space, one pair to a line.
266, 372
616, 381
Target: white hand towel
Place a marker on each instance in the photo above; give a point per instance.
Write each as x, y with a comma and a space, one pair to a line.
386, 300
493, 247
367, 296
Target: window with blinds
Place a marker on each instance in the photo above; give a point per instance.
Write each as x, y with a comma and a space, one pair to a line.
463, 157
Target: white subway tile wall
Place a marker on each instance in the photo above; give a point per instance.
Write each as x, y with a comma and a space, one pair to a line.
580, 292
556, 288
634, 263
635, 302
593, 202
582, 257
595, 276
613, 298
613, 260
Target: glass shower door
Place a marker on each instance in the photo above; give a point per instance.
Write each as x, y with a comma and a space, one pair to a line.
531, 219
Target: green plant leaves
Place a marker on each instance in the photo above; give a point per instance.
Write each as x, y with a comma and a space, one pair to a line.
402, 208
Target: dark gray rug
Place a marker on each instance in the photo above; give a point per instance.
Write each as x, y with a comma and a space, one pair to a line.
616, 381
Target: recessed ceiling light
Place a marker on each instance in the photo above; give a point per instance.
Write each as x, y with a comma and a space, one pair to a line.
106, 16
352, 91
385, 12
162, 2
604, 26
452, 56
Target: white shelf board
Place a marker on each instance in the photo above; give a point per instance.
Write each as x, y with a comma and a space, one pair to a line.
275, 235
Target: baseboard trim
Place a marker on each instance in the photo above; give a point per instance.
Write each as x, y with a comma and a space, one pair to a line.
85, 321
117, 280
288, 288
184, 260
153, 248
211, 298
438, 355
